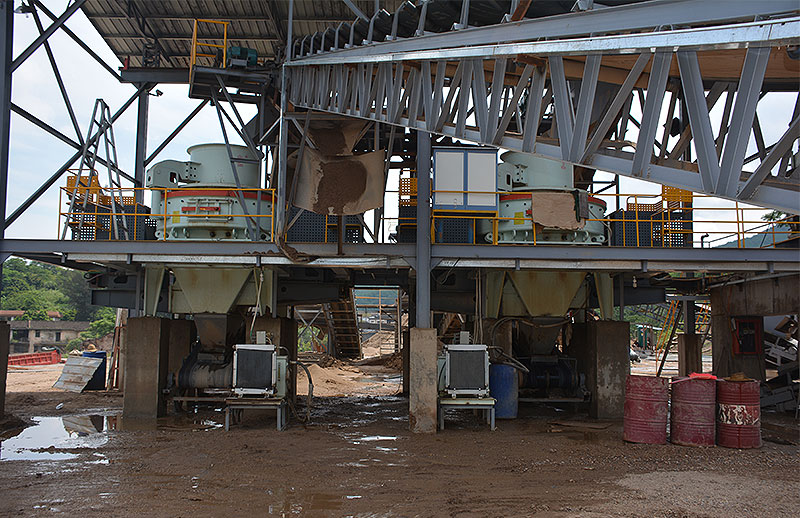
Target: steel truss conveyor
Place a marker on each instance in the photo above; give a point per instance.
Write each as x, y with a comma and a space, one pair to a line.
572, 87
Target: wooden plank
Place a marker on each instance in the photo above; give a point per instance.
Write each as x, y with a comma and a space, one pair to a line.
76, 373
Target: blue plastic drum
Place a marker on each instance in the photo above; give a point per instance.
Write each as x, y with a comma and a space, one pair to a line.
98, 381
504, 387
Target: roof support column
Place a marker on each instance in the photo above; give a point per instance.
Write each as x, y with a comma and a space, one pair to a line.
142, 116
6, 41
6, 44
423, 291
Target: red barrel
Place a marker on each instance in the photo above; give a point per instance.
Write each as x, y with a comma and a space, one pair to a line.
646, 409
691, 417
739, 414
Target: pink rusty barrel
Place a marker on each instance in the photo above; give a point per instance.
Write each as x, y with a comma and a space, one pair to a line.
691, 417
645, 409
738, 414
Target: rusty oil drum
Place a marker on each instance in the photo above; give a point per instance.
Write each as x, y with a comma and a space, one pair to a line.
692, 411
739, 414
645, 418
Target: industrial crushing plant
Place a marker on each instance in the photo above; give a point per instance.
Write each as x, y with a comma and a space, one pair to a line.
472, 155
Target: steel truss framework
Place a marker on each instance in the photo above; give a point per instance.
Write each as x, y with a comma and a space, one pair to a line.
503, 94
439, 88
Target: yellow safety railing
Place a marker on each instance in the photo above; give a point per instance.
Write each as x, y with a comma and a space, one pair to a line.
94, 218
671, 220
668, 221
200, 45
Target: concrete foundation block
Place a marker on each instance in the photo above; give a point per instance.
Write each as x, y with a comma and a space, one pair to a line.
5, 339
602, 350
690, 354
422, 381
146, 367
406, 336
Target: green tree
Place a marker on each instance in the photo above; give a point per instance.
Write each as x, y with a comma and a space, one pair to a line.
104, 323
33, 300
35, 314
774, 215
33, 286
78, 296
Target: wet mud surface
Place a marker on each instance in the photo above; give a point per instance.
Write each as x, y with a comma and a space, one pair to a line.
356, 458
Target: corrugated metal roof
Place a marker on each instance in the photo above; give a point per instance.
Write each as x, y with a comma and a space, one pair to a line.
128, 26
50, 325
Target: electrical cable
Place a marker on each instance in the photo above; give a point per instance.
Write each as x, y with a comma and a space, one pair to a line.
493, 329
512, 362
259, 280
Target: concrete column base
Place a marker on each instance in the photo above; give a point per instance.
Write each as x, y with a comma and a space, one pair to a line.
423, 394
602, 350
690, 354
146, 367
406, 359
5, 344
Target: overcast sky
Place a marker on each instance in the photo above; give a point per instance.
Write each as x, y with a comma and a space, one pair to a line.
35, 155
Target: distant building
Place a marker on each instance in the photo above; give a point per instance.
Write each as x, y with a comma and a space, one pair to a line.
14, 314
28, 336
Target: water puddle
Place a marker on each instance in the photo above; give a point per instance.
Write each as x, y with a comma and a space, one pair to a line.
382, 378
294, 503
372, 438
57, 438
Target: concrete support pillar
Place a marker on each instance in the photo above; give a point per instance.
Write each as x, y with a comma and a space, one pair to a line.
181, 336
5, 339
690, 354
146, 367
406, 359
123, 340
601, 348
422, 383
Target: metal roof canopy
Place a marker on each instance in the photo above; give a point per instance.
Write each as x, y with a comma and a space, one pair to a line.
127, 26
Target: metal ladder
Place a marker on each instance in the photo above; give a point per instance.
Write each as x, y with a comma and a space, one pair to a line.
666, 329
101, 119
342, 322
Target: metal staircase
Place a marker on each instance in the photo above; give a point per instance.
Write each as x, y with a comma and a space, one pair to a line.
343, 328
88, 200
449, 327
671, 319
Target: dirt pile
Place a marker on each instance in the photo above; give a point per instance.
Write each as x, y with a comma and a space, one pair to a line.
326, 361
341, 380
373, 346
394, 362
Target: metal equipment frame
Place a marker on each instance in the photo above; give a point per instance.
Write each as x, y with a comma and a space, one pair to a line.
488, 85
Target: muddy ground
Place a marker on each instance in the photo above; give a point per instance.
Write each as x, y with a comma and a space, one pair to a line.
356, 458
